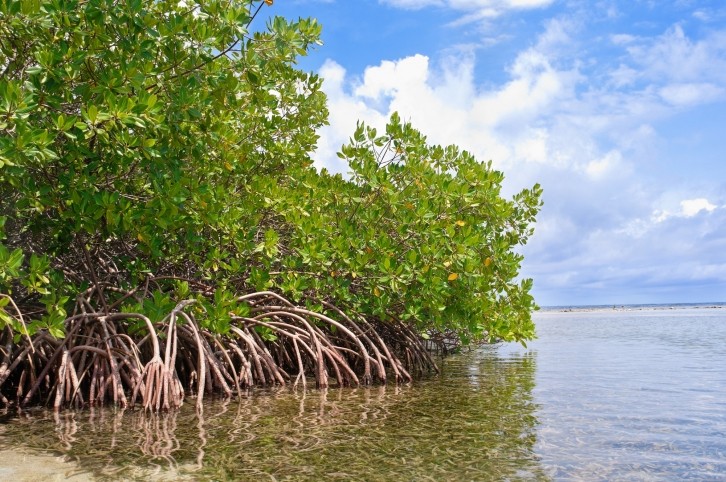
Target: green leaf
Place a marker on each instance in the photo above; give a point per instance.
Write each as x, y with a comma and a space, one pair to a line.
6, 318
162, 156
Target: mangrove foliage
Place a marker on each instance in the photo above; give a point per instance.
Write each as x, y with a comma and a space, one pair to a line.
164, 233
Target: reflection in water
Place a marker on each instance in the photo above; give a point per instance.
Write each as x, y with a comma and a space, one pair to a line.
632, 395
476, 421
618, 396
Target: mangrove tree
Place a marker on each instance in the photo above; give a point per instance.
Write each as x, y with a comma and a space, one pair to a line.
164, 233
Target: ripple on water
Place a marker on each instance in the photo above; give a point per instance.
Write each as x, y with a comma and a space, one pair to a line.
599, 396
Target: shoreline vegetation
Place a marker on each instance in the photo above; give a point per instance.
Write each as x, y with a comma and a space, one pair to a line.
124, 357
164, 233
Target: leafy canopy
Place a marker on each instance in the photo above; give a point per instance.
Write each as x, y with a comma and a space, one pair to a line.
170, 140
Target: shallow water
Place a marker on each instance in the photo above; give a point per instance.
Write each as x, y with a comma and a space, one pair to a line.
601, 395
632, 395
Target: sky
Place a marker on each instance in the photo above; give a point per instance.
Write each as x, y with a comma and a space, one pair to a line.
616, 107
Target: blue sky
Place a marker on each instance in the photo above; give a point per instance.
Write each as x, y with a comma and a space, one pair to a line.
618, 108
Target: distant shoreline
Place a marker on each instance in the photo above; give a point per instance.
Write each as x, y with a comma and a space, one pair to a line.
634, 307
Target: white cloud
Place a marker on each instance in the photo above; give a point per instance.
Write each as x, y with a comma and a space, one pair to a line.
541, 114
691, 207
481, 15
623, 75
599, 168
709, 15
622, 38
477, 9
447, 105
415, 4
345, 111
675, 57
702, 15
533, 147
587, 135
390, 77
558, 34
688, 209
690, 93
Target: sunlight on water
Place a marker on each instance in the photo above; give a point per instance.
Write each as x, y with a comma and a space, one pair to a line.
606, 395
477, 419
632, 395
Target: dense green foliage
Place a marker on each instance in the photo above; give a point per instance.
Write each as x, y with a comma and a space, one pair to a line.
169, 141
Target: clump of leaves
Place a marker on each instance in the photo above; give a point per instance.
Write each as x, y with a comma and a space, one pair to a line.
149, 142
419, 233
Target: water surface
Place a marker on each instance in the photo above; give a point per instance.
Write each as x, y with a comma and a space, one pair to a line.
631, 395
601, 395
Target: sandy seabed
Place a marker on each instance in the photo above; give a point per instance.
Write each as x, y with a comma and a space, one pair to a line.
19, 466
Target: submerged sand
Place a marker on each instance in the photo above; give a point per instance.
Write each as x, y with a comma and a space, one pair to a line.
19, 466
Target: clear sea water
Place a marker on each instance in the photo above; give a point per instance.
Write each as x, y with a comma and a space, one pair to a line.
631, 393
634, 393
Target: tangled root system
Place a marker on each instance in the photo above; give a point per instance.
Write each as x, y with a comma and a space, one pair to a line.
128, 360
